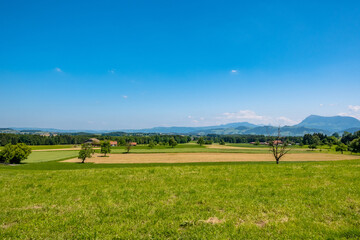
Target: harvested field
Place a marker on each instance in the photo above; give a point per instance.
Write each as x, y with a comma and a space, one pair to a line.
210, 157
217, 146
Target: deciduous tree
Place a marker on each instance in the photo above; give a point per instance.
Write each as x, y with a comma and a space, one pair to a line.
201, 141
105, 147
278, 148
341, 148
172, 142
86, 152
14, 154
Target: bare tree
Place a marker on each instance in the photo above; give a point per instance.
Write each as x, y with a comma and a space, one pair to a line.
278, 148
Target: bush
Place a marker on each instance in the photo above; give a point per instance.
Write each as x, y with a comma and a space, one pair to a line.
355, 145
14, 154
341, 148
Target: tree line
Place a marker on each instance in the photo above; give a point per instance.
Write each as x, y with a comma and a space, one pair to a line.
6, 138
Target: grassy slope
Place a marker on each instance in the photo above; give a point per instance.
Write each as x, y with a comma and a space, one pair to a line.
253, 200
36, 157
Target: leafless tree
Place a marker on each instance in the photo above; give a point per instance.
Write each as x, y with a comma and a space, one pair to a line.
278, 148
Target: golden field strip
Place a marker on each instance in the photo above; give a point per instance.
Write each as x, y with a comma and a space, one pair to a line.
210, 157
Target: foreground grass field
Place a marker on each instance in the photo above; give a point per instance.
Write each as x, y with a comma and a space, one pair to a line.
191, 201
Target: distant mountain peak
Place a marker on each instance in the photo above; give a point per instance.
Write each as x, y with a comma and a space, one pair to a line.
331, 124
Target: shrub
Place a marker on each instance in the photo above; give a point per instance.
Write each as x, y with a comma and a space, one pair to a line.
14, 154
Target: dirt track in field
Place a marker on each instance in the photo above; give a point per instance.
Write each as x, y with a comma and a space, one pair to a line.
210, 157
59, 149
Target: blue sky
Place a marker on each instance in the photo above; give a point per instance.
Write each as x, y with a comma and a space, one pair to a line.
136, 64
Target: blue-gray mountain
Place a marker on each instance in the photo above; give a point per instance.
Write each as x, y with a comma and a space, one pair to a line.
331, 124
311, 124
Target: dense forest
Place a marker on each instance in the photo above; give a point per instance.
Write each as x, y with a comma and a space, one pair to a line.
139, 138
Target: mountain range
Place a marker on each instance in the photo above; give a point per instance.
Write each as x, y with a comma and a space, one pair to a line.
311, 124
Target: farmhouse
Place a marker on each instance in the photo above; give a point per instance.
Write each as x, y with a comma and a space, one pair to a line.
133, 143
113, 143
93, 141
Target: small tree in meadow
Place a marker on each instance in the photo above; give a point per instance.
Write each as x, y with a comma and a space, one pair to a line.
222, 142
172, 142
86, 152
313, 146
105, 147
151, 144
278, 148
128, 147
341, 148
201, 141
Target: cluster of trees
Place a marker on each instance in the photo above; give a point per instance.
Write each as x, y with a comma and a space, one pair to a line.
201, 141
154, 139
6, 138
14, 154
222, 139
348, 141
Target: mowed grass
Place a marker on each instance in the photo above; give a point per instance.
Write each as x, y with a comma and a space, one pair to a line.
189, 201
36, 157
42, 147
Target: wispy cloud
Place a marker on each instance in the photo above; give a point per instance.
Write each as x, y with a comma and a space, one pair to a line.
234, 71
58, 70
253, 117
112, 71
353, 111
125, 97
354, 108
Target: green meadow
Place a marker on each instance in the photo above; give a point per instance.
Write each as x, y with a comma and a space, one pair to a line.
45, 198
46, 156
304, 200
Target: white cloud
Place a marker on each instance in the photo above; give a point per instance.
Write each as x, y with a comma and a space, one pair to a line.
285, 121
321, 104
112, 71
58, 69
189, 117
355, 108
354, 111
244, 114
252, 117
234, 71
125, 96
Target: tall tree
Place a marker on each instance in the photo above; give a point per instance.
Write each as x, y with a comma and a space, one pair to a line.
105, 147
128, 146
172, 142
86, 152
201, 141
279, 148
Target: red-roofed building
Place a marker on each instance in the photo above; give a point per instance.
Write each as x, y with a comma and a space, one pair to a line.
113, 143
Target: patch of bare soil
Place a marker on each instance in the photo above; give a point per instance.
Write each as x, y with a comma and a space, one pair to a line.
261, 223
212, 220
7, 225
211, 157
